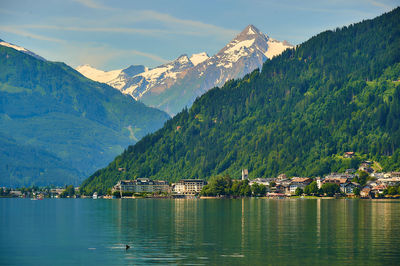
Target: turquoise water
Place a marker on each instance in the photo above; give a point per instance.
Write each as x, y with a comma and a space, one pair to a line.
248, 231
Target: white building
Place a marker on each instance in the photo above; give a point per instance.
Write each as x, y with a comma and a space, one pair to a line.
188, 186
298, 182
262, 181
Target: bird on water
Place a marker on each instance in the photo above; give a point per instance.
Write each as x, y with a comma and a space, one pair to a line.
127, 247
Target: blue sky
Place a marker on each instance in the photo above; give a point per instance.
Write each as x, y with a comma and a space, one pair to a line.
115, 34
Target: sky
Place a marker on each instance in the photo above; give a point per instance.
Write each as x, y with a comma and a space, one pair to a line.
113, 34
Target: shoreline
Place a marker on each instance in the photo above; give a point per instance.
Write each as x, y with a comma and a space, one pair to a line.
220, 198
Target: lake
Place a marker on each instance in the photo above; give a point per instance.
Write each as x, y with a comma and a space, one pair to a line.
199, 232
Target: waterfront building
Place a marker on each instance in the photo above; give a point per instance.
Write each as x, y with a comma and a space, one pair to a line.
188, 186
16, 193
56, 191
378, 189
262, 181
141, 185
348, 188
365, 192
298, 182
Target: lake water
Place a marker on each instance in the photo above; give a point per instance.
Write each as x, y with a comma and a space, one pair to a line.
198, 232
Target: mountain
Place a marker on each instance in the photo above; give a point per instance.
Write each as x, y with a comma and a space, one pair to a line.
23, 163
158, 78
21, 49
98, 75
137, 79
177, 84
248, 51
337, 92
56, 126
198, 58
115, 78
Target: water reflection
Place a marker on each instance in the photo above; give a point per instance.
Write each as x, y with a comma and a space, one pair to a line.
258, 231
238, 232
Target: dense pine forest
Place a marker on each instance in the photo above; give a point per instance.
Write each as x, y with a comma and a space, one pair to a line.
337, 92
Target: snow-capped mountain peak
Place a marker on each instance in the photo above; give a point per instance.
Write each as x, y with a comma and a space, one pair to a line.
250, 30
183, 59
159, 78
21, 49
182, 62
199, 58
98, 75
251, 42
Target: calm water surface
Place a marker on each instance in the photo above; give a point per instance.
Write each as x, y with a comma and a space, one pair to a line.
248, 231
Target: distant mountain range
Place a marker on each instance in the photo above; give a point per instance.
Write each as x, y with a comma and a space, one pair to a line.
57, 126
177, 84
21, 49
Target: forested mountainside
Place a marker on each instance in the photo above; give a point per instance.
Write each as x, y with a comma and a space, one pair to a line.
337, 92
57, 127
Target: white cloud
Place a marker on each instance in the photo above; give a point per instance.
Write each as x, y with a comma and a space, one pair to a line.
192, 24
97, 29
142, 31
148, 55
100, 55
175, 25
380, 4
93, 4
18, 31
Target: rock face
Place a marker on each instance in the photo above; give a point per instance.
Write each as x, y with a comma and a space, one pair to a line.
174, 85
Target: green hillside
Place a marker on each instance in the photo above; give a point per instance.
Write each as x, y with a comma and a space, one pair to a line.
337, 92
32, 163
73, 124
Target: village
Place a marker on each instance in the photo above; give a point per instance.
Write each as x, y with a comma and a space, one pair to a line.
364, 182
376, 185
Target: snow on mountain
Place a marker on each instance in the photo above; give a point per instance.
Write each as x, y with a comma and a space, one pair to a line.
158, 78
115, 78
198, 58
120, 81
21, 49
250, 44
246, 52
98, 75
276, 47
176, 84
